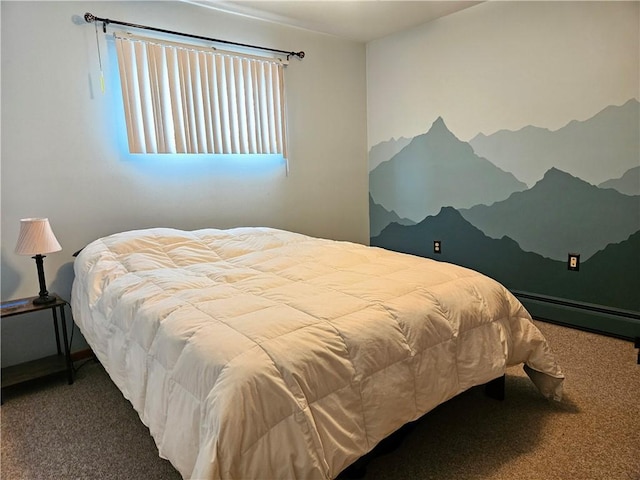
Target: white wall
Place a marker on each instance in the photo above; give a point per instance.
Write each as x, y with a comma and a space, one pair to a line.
504, 65
63, 155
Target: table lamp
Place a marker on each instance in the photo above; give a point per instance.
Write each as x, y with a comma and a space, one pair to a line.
36, 238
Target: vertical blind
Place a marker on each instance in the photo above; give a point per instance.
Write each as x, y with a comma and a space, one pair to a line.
188, 99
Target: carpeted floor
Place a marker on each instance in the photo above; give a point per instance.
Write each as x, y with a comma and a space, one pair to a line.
51, 430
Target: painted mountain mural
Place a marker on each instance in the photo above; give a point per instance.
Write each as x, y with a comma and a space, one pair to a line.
437, 169
380, 217
583, 197
558, 215
383, 151
629, 183
504, 260
596, 150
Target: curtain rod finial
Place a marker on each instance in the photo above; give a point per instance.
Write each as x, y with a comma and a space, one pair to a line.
89, 17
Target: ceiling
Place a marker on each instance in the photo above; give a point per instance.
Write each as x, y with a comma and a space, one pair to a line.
360, 20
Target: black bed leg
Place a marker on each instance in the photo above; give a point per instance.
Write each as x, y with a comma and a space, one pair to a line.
495, 388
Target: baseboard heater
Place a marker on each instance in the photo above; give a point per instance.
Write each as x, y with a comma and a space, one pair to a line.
591, 317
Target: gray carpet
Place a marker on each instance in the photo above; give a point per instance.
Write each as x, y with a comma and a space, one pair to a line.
51, 430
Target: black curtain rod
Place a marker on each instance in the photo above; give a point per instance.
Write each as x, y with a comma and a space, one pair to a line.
90, 18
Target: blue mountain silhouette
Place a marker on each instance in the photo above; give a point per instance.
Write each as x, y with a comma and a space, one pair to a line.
629, 183
595, 150
597, 282
466, 245
437, 169
558, 215
380, 217
383, 151
610, 277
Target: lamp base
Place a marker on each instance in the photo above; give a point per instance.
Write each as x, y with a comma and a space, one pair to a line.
44, 300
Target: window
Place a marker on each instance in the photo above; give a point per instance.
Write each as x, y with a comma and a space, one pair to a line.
188, 99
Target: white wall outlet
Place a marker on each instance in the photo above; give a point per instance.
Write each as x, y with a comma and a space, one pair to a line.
573, 262
437, 246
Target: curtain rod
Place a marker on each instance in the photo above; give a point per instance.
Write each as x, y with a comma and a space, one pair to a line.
90, 18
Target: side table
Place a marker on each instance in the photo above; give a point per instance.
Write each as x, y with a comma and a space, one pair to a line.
43, 366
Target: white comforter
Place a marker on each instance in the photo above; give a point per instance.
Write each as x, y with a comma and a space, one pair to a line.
260, 353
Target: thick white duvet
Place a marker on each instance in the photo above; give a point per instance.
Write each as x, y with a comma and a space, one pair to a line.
259, 353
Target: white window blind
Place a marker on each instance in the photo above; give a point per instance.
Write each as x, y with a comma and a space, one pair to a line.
188, 99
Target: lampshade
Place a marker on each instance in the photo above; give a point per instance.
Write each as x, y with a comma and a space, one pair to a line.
36, 237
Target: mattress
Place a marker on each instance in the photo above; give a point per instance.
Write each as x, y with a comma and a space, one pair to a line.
262, 353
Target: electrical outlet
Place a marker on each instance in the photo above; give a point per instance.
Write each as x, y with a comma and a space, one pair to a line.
437, 246
573, 262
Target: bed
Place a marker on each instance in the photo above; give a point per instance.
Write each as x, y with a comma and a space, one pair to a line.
263, 353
